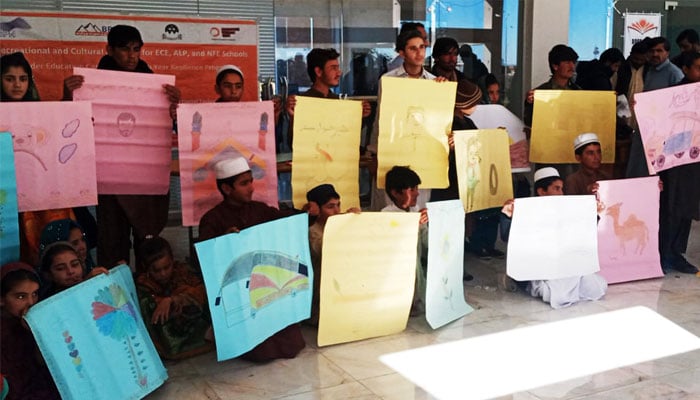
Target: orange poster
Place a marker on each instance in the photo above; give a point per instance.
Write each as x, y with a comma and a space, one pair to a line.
192, 49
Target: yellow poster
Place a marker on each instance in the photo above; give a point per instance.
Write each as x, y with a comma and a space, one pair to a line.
326, 148
561, 115
368, 275
483, 168
415, 117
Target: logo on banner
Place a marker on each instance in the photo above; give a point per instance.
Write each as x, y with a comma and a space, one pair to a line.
172, 32
7, 29
223, 33
643, 26
91, 29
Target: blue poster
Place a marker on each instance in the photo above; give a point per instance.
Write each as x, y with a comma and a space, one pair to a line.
258, 281
94, 340
9, 225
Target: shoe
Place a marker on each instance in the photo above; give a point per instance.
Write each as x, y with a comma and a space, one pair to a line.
497, 253
482, 253
467, 277
685, 267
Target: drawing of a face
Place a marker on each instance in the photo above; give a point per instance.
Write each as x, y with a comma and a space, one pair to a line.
27, 138
125, 123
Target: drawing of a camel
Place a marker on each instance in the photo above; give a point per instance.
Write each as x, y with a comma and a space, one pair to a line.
633, 229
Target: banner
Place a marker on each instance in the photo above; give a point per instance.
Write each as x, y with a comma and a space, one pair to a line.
133, 130
553, 237
192, 49
637, 27
54, 153
326, 143
483, 168
100, 349
628, 230
669, 123
561, 115
444, 299
415, 119
210, 132
369, 273
258, 281
9, 223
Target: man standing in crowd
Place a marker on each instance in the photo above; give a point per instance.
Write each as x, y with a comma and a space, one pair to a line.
662, 73
689, 42
445, 52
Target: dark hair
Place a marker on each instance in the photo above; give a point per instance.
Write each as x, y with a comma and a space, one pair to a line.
653, 42
640, 47
318, 58
580, 150
52, 251
231, 180
222, 74
559, 53
691, 35
544, 183
443, 45
411, 26
490, 80
404, 37
18, 60
122, 35
612, 56
399, 178
12, 278
688, 59
152, 250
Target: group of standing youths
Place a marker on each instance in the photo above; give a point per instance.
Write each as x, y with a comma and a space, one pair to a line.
56, 243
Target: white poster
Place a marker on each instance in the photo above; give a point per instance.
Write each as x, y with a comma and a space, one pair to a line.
638, 26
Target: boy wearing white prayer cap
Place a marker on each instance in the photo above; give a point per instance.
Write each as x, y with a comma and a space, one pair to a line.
229, 84
589, 155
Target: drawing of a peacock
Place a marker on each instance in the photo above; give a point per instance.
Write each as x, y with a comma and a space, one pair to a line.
116, 317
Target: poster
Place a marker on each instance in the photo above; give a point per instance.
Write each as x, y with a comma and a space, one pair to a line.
258, 281
493, 116
444, 300
561, 115
628, 230
133, 130
369, 272
415, 119
192, 49
9, 224
54, 152
637, 27
210, 132
483, 168
326, 143
553, 237
669, 123
100, 349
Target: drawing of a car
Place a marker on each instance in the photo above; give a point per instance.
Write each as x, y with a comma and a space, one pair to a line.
257, 279
683, 140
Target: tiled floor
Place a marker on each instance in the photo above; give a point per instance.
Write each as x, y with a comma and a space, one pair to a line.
353, 370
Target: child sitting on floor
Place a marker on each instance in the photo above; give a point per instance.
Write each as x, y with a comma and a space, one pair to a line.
173, 302
61, 268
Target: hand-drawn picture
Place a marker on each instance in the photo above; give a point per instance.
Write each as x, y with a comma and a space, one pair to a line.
103, 328
414, 132
628, 229
326, 139
9, 223
258, 282
553, 129
669, 123
54, 153
482, 160
219, 131
133, 130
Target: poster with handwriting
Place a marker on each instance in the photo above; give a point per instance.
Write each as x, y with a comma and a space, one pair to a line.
211, 132
101, 348
483, 168
415, 119
133, 129
54, 153
326, 143
561, 115
669, 123
369, 272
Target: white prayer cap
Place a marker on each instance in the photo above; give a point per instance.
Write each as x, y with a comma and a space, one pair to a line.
229, 67
584, 139
231, 167
546, 172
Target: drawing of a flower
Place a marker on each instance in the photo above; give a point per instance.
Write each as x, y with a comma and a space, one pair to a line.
114, 314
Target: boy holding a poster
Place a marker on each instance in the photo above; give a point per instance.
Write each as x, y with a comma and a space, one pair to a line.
588, 153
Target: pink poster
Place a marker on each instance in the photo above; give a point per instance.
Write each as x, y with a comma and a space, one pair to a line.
209, 132
669, 122
628, 245
133, 130
54, 148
